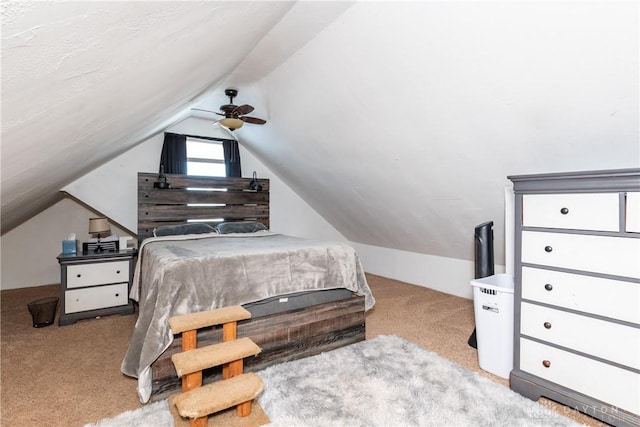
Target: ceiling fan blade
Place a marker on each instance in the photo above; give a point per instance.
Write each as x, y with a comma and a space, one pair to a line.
253, 120
206, 111
243, 109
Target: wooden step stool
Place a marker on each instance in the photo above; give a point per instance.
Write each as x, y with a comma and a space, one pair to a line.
197, 402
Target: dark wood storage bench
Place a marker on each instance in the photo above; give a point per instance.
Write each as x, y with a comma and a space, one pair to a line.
285, 336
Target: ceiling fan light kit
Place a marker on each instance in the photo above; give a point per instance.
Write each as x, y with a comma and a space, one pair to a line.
231, 123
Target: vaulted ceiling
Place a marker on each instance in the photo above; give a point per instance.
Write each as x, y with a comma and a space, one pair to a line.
397, 121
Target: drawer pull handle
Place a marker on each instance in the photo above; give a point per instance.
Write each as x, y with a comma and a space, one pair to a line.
117, 295
564, 211
118, 272
547, 325
548, 286
78, 275
546, 363
548, 248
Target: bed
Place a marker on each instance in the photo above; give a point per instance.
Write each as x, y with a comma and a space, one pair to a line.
305, 296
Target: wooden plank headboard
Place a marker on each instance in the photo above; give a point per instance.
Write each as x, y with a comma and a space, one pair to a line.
191, 198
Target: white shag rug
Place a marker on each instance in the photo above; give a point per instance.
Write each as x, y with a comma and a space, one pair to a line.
386, 381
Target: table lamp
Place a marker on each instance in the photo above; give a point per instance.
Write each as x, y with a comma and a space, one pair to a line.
99, 227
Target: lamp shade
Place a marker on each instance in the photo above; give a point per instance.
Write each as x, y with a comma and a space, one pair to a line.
98, 225
231, 123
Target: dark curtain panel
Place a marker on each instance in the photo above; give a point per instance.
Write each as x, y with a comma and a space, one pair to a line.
174, 154
232, 158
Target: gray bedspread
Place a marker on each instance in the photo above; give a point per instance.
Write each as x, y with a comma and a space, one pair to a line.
185, 274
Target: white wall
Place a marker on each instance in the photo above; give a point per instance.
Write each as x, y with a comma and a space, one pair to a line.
443, 274
30, 250
400, 122
448, 275
289, 214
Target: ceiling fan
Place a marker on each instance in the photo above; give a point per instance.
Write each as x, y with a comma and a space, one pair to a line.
234, 115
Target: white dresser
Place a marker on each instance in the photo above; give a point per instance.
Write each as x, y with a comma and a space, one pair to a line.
577, 291
95, 284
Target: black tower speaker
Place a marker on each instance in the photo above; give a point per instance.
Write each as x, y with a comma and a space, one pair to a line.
484, 264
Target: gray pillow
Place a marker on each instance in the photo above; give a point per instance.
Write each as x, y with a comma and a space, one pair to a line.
240, 227
190, 228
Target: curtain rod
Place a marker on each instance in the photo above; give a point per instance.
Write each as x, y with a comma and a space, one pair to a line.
210, 138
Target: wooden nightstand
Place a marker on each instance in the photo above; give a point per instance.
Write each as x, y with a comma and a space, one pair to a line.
95, 284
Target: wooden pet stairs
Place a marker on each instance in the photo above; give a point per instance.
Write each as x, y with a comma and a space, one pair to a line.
197, 402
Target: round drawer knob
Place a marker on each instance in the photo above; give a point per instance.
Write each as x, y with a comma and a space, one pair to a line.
547, 325
548, 286
546, 363
78, 275
548, 248
117, 295
118, 272
564, 211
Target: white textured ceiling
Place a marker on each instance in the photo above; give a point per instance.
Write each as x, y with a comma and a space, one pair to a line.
85, 81
397, 121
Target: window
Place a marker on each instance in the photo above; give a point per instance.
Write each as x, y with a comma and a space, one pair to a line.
205, 158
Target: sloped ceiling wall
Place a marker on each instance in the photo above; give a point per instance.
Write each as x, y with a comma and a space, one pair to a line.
397, 121
85, 81
403, 120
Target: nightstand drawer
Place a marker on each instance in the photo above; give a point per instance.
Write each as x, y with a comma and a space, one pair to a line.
605, 297
97, 297
572, 211
607, 340
97, 273
600, 254
616, 386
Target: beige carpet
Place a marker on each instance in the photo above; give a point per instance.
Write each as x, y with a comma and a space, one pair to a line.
68, 376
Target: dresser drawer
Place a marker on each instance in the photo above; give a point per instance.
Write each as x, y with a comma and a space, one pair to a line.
572, 211
605, 297
97, 273
616, 386
633, 213
97, 297
601, 254
611, 341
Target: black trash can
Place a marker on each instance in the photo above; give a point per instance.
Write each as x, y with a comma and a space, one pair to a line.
43, 311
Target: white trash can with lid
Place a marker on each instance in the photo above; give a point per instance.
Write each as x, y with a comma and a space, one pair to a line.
493, 309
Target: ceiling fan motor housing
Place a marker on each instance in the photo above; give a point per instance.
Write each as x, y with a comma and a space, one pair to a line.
229, 108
